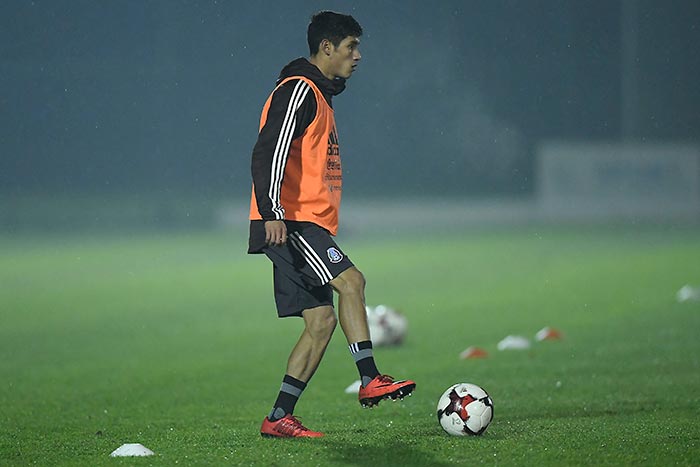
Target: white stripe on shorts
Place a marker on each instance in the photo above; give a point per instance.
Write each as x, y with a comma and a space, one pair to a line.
311, 257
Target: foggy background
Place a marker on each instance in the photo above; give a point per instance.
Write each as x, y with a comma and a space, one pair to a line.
146, 112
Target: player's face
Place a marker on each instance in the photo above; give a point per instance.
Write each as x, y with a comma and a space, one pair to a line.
345, 57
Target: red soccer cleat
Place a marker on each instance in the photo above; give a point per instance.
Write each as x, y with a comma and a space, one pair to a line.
287, 427
384, 387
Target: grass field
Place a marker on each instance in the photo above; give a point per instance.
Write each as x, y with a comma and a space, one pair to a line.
170, 340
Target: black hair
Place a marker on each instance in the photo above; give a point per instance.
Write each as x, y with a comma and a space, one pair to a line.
332, 26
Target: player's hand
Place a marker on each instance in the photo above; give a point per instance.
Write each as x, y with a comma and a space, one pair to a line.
275, 233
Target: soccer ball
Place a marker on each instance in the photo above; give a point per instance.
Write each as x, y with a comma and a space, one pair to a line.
465, 409
386, 325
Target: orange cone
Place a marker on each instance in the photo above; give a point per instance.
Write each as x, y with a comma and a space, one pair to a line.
548, 333
473, 352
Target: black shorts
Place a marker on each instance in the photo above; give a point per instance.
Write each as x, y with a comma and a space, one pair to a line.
303, 267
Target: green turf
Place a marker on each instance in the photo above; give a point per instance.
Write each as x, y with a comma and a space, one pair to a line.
170, 340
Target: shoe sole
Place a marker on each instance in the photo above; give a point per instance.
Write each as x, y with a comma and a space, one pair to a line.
267, 435
369, 402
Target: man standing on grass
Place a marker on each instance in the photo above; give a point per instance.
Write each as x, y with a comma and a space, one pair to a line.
297, 183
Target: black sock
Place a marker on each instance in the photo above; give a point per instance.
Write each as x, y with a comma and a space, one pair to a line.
362, 353
287, 398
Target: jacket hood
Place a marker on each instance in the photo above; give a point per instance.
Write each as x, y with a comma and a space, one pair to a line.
302, 67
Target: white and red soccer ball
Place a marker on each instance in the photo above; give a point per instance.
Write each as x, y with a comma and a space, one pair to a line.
386, 325
465, 409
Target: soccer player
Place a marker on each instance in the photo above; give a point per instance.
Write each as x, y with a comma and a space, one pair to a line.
297, 184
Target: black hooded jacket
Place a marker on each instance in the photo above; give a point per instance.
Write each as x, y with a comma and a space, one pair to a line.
264, 150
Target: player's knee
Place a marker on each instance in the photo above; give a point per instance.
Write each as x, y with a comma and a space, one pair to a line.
349, 281
321, 323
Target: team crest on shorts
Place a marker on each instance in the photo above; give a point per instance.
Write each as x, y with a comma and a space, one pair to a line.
334, 255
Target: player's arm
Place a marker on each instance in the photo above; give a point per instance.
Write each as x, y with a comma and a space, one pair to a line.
292, 109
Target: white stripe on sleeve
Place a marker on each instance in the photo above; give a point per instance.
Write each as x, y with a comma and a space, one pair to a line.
284, 140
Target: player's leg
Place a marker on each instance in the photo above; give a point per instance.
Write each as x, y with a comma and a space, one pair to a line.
315, 306
350, 286
319, 324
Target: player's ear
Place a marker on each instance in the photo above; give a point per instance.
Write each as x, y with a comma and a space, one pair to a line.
326, 47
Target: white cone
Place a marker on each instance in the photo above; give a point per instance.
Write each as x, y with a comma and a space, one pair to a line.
354, 388
514, 343
688, 293
131, 450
